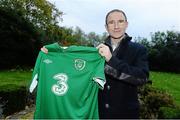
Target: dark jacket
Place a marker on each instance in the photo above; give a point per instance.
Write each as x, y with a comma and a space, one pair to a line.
127, 69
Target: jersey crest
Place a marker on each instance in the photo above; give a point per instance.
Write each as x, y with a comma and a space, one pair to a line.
79, 64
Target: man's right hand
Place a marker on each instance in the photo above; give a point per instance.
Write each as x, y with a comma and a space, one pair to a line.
45, 50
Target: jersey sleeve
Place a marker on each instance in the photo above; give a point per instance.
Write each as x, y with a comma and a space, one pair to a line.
99, 76
35, 74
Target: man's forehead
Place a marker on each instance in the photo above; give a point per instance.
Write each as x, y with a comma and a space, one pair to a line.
116, 15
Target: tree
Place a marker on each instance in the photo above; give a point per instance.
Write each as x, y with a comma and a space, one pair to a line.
164, 53
24, 25
18, 43
41, 13
143, 41
96, 39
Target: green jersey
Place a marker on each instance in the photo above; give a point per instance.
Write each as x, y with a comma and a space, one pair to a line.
68, 82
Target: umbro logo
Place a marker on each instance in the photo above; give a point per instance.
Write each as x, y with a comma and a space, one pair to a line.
47, 61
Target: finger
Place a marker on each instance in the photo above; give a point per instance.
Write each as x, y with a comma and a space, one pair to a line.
100, 53
43, 49
99, 46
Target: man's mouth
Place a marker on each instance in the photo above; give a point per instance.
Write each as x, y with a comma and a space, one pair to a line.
117, 30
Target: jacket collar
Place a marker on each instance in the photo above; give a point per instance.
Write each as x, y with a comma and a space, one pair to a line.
126, 39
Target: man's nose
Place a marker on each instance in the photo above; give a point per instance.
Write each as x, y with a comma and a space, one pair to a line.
116, 25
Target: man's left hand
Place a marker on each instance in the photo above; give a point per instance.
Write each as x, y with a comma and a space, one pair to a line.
104, 51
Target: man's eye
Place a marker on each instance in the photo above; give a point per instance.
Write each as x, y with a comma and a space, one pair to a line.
121, 21
110, 22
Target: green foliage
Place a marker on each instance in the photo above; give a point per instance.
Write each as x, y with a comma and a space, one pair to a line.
27, 25
168, 45
164, 51
41, 13
69, 36
14, 100
95, 39
169, 113
18, 40
143, 41
151, 100
23, 28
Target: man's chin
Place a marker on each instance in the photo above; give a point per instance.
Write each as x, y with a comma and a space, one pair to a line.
116, 37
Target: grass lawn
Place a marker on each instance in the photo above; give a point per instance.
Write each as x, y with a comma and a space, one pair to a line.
13, 79
169, 82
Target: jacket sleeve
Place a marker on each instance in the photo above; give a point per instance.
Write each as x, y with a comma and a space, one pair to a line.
136, 75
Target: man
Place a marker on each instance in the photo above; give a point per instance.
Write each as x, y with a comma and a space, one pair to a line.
126, 68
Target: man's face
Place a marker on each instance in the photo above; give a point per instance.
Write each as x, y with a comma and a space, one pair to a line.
116, 25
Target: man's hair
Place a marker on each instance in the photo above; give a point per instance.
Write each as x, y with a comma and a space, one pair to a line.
115, 10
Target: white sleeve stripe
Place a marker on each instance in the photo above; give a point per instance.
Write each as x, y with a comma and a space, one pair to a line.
33, 84
100, 82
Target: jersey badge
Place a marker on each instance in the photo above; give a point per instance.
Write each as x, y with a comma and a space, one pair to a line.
79, 64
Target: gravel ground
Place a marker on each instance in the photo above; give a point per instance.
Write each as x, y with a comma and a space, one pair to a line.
24, 114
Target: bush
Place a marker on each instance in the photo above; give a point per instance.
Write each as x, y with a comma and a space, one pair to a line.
12, 101
151, 100
169, 113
